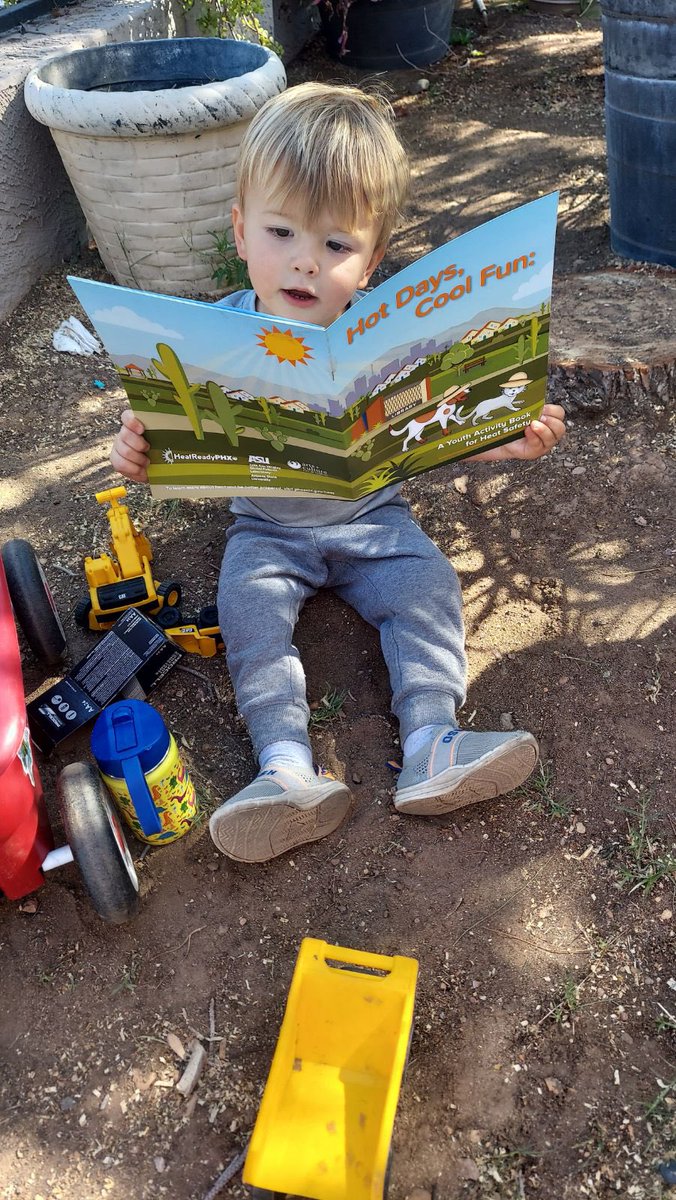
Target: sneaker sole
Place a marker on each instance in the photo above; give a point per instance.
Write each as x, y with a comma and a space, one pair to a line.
493, 775
257, 830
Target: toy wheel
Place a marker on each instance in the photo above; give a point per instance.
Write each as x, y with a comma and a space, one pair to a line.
171, 593
32, 601
99, 846
167, 617
82, 611
207, 617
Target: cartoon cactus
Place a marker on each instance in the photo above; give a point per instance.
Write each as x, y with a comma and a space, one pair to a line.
265, 408
170, 366
275, 437
226, 412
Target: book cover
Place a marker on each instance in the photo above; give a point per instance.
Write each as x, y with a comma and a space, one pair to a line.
446, 358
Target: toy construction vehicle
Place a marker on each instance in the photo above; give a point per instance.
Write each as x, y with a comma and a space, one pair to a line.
201, 636
122, 579
325, 1122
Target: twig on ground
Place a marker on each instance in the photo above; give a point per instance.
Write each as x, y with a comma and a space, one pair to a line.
190, 935
226, 1175
212, 1023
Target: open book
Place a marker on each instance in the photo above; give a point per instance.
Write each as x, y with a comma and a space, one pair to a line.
445, 359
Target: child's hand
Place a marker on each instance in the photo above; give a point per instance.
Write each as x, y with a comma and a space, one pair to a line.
538, 438
129, 455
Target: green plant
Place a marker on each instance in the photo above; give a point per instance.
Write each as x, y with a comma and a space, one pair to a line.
569, 1004
329, 707
237, 19
541, 795
230, 271
460, 36
645, 864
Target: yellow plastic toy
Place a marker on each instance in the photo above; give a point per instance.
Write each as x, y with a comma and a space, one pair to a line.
325, 1122
122, 579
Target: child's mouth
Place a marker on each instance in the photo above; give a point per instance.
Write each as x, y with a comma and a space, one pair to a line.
297, 296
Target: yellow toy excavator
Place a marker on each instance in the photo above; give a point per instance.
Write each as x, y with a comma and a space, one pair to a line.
122, 579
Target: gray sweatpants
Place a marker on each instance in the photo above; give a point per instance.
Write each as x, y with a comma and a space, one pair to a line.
387, 569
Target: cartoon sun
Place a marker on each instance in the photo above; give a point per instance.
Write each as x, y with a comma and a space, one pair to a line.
282, 345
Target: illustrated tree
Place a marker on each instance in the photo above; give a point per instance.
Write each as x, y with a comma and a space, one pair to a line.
520, 349
456, 354
320, 418
169, 365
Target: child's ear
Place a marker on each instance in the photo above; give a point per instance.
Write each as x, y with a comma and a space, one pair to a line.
238, 230
376, 258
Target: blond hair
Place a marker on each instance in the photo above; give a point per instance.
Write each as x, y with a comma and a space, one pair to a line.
327, 148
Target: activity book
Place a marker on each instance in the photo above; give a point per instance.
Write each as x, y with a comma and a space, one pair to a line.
445, 359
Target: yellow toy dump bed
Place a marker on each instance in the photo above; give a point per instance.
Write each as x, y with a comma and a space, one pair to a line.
326, 1117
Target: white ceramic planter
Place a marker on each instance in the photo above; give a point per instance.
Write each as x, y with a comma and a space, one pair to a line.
149, 134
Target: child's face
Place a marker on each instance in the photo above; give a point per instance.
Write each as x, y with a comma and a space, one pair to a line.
301, 272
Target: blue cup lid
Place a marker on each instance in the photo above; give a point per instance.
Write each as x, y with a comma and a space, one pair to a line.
126, 730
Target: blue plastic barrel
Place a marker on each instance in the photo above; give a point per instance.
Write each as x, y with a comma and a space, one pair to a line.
639, 42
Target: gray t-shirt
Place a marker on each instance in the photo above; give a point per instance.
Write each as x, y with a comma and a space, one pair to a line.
302, 512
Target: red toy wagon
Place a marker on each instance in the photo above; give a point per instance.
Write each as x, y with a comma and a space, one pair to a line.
95, 839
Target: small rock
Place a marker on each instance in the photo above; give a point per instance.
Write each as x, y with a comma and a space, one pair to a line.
579, 471
460, 484
420, 85
66, 1103
176, 1045
580, 827
506, 721
356, 778
160, 1164
554, 1085
666, 914
640, 521
242, 920
467, 1169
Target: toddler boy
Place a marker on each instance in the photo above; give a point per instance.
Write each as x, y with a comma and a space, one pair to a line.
322, 179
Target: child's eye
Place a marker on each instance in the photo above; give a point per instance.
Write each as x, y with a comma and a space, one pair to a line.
338, 247
279, 231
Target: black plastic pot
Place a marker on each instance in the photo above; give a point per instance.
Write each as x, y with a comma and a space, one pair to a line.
386, 35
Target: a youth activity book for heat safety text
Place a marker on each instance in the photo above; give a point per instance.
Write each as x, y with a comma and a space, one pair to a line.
445, 359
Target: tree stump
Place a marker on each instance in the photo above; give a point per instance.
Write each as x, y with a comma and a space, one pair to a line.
613, 341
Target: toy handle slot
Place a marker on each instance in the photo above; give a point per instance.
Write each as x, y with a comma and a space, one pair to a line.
359, 961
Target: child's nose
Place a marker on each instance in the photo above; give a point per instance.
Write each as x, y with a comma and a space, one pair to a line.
306, 261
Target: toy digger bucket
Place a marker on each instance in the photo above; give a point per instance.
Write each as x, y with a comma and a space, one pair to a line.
325, 1122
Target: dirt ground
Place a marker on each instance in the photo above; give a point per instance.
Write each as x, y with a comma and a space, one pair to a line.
543, 1061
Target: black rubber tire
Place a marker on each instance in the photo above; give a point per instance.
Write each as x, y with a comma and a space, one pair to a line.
264, 1194
171, 593
32, 601
82, 611
99, 846
207, 617
168, 617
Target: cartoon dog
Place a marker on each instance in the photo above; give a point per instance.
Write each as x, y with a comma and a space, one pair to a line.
513, 386
452, 398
